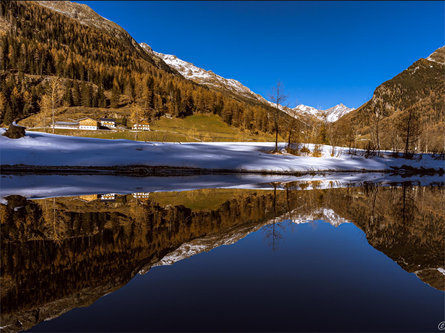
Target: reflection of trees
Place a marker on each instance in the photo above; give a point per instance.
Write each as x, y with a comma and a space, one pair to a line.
58, 249
405, 207
272, 231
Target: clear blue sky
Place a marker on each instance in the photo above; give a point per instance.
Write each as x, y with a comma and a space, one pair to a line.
324, 53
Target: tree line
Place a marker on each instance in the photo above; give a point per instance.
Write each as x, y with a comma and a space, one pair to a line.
98, 70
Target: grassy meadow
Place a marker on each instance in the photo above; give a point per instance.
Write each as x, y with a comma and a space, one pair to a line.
195, 128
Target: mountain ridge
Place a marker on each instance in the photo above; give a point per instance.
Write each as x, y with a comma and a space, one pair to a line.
209, 78
420, 89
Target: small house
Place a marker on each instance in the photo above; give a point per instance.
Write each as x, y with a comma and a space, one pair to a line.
108, 197
66, 125
108, 122
144, 126
141, 195
88, 124
88, 197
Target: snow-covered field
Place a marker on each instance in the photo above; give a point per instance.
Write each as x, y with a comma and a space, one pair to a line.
42, 149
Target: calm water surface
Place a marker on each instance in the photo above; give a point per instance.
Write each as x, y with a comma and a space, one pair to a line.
293, 257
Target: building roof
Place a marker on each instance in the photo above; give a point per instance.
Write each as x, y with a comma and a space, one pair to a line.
88, 121
144, 123
86, 118
66, 123
107, 119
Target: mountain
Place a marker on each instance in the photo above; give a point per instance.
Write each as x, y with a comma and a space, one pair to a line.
214, 81
88, 17
336, 112
202, 76
420, 89
208, 78
330, 115
101, 69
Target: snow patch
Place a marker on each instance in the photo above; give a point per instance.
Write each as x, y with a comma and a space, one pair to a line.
43, 149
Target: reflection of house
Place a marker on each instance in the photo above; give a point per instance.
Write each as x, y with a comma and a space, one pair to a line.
108, 122
66, 125
145, 126
88, 197
108, 196
141, 195
88, 124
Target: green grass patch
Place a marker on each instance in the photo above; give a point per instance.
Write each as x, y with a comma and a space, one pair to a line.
205, 199
195, 128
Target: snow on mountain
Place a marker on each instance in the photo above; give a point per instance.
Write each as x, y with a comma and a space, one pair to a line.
86, 16
309, 110
202, 76
438, 56
211, 242
336, 112
330, 115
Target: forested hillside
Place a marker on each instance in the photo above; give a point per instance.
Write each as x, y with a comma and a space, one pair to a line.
64, 56
98, 67
406, 113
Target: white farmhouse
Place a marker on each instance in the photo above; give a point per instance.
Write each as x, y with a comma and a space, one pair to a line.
145, 126
108, 122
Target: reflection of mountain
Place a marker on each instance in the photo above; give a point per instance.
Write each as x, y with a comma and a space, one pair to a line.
95, 247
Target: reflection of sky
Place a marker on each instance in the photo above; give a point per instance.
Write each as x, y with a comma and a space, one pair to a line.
319, 277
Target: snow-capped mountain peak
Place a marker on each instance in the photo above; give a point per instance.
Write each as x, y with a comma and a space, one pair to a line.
438, 56
209, 78
336, 112
202, 76
307, 110
330, 115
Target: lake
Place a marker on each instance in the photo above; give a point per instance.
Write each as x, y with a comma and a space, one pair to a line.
222, 253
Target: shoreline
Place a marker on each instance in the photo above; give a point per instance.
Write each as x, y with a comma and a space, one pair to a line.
42, 153
174, 171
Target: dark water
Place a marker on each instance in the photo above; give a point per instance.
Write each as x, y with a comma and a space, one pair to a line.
366, 258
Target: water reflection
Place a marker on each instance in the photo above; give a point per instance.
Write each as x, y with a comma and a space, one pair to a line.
61, 253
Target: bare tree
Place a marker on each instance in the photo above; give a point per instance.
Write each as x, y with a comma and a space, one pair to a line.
52, 98
377, 115
272, 231
408, 126
136, 117
278, 98
45, 109
293, 128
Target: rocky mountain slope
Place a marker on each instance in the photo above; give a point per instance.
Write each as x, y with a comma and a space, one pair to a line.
86, 16
330, 115
419, 89
99, 65
214, 81
202, 76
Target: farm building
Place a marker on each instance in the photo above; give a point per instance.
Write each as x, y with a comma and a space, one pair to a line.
145, 126
88, 124
141, 195
108, 197
66, 125
108, 122
88, 197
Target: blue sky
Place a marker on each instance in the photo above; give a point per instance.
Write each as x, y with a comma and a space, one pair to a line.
324, 53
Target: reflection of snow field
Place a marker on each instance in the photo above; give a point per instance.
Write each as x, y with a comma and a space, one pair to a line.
44, 186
